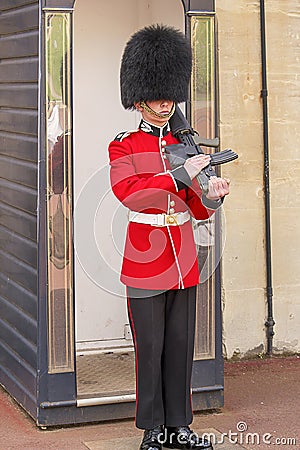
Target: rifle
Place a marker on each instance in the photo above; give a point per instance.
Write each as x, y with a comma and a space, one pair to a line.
189, 146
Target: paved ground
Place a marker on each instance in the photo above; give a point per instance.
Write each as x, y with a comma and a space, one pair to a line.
262, 411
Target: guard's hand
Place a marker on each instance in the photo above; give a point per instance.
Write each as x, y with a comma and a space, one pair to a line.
217, 188
195, 164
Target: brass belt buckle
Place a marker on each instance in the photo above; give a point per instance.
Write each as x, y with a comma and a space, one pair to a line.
171, 219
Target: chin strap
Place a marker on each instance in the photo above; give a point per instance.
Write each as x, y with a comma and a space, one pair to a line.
158, 115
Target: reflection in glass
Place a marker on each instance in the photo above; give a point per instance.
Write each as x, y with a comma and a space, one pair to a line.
59, 192
203, 120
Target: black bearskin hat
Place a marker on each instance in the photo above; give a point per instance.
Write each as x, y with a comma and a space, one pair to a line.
156, 65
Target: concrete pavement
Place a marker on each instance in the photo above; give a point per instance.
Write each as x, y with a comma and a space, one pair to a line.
262, 411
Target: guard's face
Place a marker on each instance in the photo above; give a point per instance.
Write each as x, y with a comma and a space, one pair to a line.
159, 106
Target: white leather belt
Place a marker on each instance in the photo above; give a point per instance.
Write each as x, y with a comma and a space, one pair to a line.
159, 220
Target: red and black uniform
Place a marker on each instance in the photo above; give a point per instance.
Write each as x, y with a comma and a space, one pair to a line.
160, 270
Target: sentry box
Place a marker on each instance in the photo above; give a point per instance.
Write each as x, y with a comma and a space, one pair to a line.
66, 351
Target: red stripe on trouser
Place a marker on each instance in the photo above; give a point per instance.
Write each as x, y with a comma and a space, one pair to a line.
136, 353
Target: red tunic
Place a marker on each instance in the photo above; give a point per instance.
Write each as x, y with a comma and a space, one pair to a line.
141, 178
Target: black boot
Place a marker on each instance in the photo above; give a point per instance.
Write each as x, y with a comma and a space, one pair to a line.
152, 439
184, 438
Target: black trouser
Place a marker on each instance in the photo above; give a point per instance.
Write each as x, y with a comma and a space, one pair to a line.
163, 329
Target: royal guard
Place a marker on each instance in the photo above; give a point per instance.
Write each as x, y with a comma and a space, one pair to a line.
160, 267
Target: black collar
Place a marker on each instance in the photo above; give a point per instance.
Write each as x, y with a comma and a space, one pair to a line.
153, 129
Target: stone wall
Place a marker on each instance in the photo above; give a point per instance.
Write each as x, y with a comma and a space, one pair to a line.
241, 128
